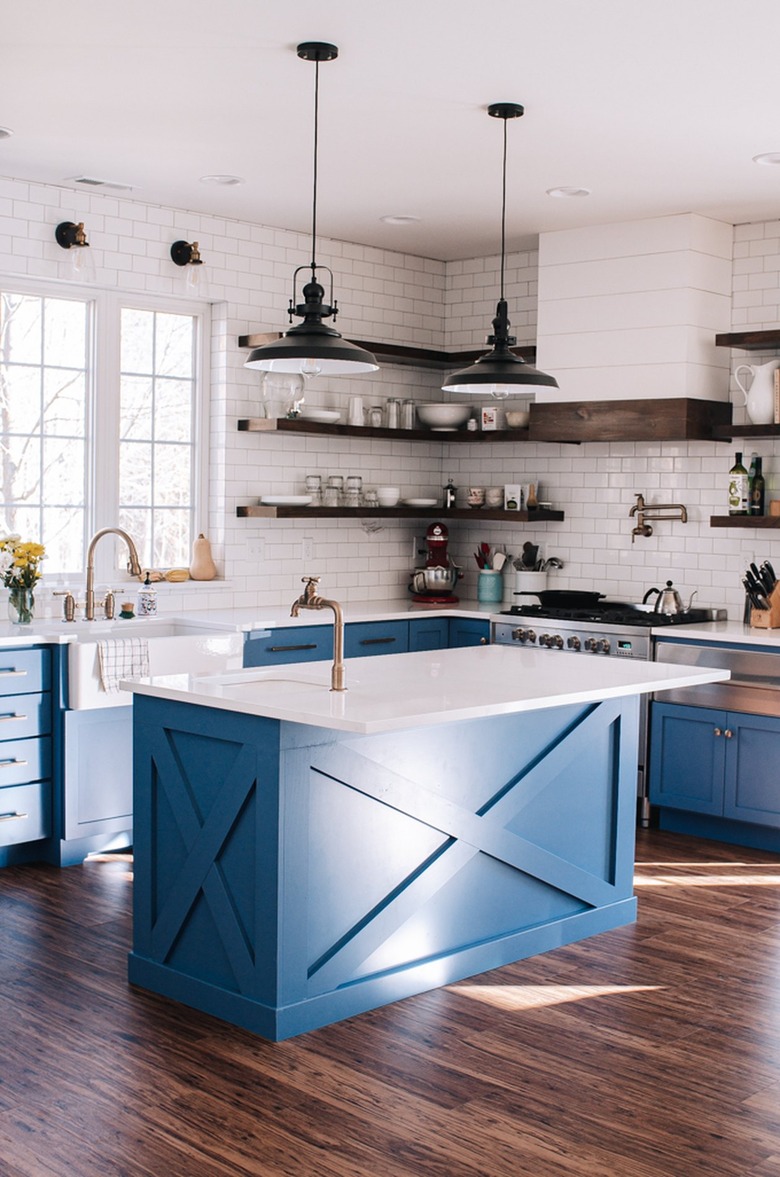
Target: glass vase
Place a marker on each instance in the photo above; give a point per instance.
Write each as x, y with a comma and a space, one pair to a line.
21, 605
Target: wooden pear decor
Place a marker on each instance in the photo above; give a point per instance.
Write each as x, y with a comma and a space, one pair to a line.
202, 566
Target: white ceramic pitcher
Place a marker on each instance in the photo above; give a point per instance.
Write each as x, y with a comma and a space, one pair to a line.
760, 397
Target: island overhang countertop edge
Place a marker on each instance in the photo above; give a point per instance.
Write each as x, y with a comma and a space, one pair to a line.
397, 691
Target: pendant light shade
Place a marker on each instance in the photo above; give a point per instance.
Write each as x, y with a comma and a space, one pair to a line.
500, 372
311, 347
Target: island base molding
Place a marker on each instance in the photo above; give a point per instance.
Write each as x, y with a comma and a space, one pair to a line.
287, 877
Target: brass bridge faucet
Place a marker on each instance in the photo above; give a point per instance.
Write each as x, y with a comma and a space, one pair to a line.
310, 599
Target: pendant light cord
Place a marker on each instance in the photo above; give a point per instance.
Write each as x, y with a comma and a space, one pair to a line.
503, 215
314, 194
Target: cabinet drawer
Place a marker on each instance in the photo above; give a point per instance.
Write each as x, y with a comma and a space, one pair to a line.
25, 813
24, 715
302, 643
24, 760
24, 672
362, 639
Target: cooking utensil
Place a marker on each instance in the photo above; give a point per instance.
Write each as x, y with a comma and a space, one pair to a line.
530, 556
564, 598
770, 571
499, 559
668, 600
756, 601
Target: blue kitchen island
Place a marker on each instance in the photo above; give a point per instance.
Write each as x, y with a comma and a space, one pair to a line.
304, 855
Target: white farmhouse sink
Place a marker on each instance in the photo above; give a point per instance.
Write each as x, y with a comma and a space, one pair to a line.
175, 647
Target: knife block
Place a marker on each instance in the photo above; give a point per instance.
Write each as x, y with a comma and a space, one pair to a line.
767, 618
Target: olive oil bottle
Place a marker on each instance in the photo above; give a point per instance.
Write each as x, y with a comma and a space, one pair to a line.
739, 490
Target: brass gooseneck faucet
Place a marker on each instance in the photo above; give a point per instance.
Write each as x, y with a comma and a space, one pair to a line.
310, 599
134, 565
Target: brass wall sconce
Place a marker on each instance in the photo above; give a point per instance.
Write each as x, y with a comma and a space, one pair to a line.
184, 253
73, 236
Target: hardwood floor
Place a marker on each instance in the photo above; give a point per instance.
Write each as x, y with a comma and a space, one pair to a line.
650, 1051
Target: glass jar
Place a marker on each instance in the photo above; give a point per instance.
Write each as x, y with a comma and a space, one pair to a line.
354, 491
334, 491
408, 415
375, 416
314, 489
393, 412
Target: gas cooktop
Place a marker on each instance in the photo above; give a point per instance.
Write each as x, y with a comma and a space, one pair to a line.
610, 613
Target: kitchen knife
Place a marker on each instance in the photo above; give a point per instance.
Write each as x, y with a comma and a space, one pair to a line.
768, 578
771, 571
751, 596
756, 589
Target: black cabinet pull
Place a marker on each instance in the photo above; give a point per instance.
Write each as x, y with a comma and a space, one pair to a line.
285, 649
377, 641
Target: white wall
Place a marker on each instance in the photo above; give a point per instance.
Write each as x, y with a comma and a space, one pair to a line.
396, 298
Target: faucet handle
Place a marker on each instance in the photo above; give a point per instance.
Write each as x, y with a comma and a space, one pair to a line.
68, 605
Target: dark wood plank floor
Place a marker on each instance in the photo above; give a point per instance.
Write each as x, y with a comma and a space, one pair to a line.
651, 1051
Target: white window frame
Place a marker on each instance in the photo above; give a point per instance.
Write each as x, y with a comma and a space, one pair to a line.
102, 425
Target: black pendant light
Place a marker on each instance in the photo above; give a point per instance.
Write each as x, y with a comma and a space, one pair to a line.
311, 347
499, 372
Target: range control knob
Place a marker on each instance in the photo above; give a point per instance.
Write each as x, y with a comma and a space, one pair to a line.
574, 643
557, 642
523, 635
545, 639
604, 645
591, 645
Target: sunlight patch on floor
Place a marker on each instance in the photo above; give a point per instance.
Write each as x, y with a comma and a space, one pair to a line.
515, 997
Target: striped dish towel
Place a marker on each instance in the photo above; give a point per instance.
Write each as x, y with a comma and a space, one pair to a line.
123, 658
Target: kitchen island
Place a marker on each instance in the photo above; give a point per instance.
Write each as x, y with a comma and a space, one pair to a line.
303, 855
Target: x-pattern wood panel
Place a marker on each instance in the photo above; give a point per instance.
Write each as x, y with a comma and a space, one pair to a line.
465, 834
203, 840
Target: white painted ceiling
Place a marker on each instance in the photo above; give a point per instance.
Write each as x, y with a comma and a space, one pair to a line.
657, 106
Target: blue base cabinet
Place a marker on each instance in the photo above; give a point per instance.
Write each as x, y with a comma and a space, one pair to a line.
26, 754
288, 876
721, 765
314, 643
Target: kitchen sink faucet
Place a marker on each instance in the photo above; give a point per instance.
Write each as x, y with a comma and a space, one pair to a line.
310, 599
134, 565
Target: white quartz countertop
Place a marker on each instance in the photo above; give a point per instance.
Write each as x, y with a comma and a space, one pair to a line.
397, 691
726, 632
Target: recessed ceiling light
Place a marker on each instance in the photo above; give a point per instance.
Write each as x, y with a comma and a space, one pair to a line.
566, 193
768, 158
5, 132
94, 182
225, 181
399, 219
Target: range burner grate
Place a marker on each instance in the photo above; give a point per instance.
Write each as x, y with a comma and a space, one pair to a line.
610, 613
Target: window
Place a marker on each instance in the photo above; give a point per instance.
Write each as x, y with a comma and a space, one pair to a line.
156, 434
100, 420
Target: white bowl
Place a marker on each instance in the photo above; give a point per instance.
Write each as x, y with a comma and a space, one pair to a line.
449, 416
517, 418
388, 496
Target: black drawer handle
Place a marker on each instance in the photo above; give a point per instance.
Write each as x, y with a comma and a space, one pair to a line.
11, 715
11, 763
13, 816
285, 649
377, 641
12, 673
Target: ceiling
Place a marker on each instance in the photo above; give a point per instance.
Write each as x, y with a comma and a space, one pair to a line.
657, 108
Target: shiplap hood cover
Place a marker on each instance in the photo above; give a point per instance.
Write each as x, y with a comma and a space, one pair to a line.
657, 108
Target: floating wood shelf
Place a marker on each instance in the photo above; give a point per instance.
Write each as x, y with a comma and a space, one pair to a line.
750, 340
726, 432
394, 353
473, 514
762, 521
298, 425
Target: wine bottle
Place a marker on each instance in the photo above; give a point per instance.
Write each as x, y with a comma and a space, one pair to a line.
757, 489
739, 499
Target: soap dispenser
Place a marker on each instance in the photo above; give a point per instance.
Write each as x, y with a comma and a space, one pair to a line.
147, 598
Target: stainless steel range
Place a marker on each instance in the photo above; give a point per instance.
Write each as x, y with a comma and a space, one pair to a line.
599, 628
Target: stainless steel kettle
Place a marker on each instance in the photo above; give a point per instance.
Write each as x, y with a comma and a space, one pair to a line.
668, 600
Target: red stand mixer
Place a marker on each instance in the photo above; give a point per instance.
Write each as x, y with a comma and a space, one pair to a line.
433, 584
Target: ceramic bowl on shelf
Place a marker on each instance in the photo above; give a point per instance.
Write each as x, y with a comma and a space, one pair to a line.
443, 417
322, 416
285, 500
419, 502
388, 496
517, 418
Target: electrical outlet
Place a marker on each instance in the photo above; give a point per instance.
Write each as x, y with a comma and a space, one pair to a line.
256, 549
307, 548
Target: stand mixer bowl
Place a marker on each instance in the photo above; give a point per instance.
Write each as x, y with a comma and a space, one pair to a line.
435, 580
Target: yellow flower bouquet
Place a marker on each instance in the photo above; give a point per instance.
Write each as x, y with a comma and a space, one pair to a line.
20, 569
